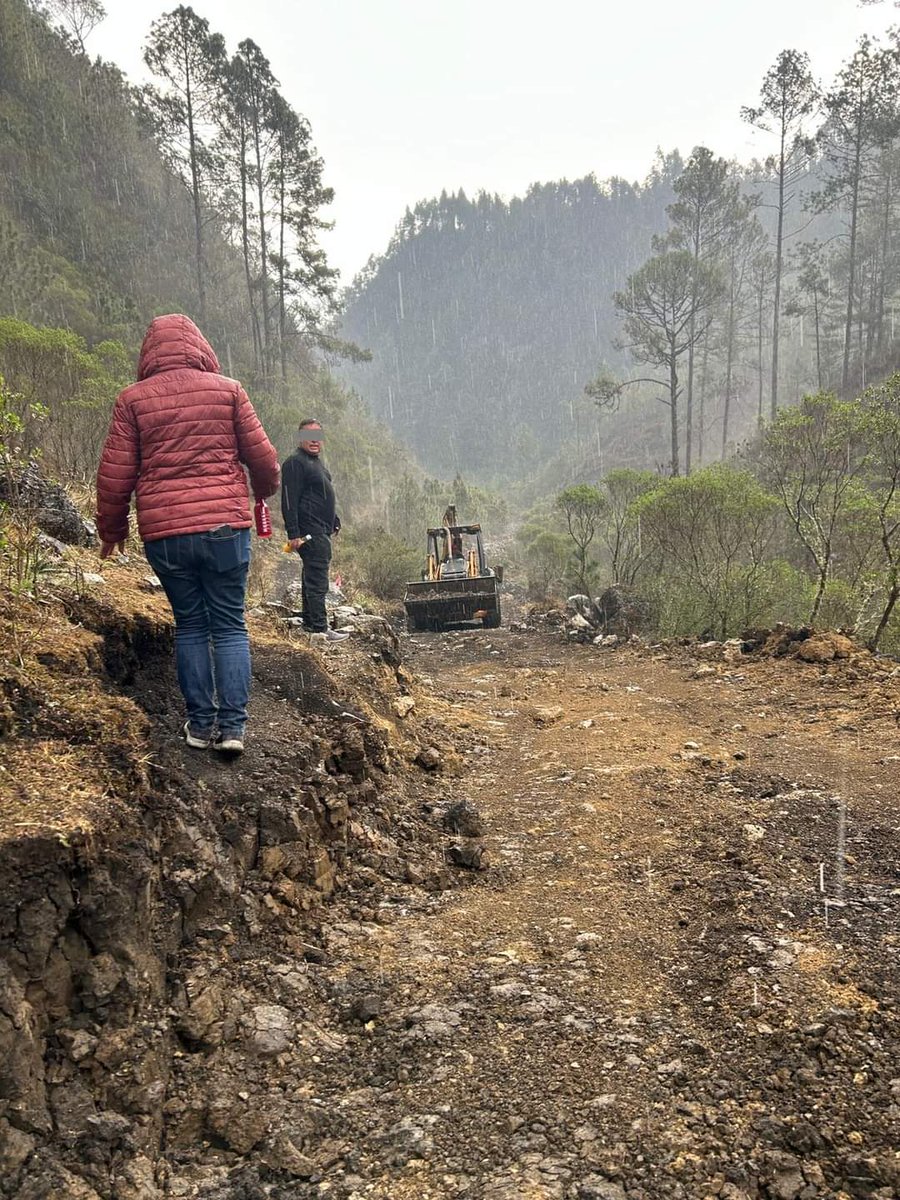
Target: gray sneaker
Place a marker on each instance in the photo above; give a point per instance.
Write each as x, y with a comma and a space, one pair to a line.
229, 744
336, 635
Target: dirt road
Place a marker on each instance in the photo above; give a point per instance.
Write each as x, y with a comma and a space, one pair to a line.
678, 977
674, 976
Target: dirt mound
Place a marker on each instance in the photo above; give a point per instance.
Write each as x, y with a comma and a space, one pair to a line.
804, 642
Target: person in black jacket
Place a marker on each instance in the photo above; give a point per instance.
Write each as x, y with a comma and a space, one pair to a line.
310, 518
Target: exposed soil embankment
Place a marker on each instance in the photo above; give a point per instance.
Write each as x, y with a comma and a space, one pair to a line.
159, 908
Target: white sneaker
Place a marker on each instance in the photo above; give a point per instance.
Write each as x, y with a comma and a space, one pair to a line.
195, 741
336, 635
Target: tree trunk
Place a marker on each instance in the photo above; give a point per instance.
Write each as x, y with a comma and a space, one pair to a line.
729, 371
689, 403
759, 347
692, 334
673, 410
263, 242
195, 179
885, 254
245, 246
820, 589
893, 596
282, 323
851, 272
779, 244
701, 408
818, 340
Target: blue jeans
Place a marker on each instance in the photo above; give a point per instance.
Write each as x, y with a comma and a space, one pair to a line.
205, 578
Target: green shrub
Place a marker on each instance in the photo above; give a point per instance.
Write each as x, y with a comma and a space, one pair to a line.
711, 532
374, 560
21, 556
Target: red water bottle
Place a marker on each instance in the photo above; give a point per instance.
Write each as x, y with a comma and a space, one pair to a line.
263, 519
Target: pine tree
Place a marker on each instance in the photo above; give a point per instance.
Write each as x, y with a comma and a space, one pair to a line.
787, 100
256, 98
706, 213
182, 52
306, 285
77, 19
666, 306
862, 118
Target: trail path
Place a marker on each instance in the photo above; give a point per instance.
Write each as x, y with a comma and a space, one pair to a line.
644, 996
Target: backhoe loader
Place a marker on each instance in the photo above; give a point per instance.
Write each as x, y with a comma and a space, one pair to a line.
457, 587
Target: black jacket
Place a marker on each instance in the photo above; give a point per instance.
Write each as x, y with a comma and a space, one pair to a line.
307, 496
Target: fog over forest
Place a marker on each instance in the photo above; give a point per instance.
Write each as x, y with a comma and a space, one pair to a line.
530, 313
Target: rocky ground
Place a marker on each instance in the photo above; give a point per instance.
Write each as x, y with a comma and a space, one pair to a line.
582, 922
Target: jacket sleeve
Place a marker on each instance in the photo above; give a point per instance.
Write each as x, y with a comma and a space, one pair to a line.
291, 489
117, 474
255, 450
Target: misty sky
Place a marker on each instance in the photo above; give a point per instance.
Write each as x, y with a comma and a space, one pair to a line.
406, 99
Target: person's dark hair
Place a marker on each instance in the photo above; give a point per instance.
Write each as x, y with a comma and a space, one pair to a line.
309, 421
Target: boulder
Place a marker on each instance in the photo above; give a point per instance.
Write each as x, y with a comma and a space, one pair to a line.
240, 1123
623, 610
137, 1181
464, 819
429, 758
269, 1029
403, 706
49, 505
468, 854
595, 1188
582, 606
15, 1149
376, 629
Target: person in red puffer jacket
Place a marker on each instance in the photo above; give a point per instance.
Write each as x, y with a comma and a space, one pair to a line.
178, 439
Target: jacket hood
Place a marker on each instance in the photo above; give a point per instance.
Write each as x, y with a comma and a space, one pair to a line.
173, 342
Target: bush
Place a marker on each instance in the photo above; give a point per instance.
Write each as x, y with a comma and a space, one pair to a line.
711, 531
547, 559
380, 563
53, 372
21, 557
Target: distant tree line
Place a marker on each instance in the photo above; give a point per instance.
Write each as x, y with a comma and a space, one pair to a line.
484, 319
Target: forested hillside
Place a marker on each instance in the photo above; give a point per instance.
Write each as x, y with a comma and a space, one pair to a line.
484, 317
202, 194
506, 336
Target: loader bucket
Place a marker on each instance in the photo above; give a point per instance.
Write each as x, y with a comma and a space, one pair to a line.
435, 604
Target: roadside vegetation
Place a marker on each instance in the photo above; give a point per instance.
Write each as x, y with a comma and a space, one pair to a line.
802, 526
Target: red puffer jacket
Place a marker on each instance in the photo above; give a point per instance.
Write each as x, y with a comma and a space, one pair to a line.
178, 437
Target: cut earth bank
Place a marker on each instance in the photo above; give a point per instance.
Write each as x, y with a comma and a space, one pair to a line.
675, 974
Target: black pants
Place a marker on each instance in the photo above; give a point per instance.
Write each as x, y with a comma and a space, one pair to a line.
316, 556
